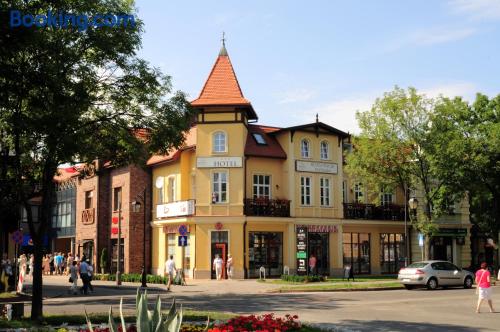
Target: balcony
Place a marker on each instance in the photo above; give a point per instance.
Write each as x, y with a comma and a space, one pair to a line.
264, 207
373, 212
88, 216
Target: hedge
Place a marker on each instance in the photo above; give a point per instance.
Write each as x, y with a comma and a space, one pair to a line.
131, 277
296, 278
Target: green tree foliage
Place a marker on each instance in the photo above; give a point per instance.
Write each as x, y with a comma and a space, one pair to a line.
74, 96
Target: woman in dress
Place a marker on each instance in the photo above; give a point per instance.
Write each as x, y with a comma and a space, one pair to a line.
484, 286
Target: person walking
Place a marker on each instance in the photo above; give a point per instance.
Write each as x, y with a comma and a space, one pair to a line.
46, 265
90, 273
51, 263
312, 264
218, 262
169, 271
229, 266
484, 286
84, 275
73, 277
31, 264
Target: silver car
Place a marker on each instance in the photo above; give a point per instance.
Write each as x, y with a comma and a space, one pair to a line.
434, 274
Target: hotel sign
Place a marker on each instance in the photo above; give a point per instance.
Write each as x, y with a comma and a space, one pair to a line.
175, 209
215, 162
315, 167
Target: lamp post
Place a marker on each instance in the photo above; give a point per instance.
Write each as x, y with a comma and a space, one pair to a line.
136, 207
119, 255
413, 204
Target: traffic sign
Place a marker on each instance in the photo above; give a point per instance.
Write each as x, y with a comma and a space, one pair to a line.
183, 241
17, 237
420, 239
183, 230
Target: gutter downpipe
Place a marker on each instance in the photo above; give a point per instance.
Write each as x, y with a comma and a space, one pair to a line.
245, 270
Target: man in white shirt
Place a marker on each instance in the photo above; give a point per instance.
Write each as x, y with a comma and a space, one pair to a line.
218, 267
170, 270
84, 275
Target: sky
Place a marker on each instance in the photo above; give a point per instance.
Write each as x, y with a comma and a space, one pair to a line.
296, 59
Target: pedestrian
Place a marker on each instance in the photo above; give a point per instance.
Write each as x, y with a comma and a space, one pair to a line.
84, 275
31, 264
73, 277
169, 270
229, 266
6, 272
51, 263
90, 273
46, 265
312, 264
218, 262
69, 262
484, 287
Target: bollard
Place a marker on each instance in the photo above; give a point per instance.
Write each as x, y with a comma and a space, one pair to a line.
262, 271
286, 270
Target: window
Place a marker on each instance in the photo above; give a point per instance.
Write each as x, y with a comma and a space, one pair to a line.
356, 251
305, 190
160, 196
259, 139
219, 142
262, 186
392, 248
386, 197
305, 149
171, 189
219, 187
117, 198
187, 255
344, 191
359, 193
324, 150
88, 199
171, 244
324, 191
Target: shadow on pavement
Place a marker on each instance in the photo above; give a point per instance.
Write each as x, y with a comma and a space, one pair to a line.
396, 326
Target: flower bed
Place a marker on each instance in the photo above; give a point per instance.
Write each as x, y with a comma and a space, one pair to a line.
267, 322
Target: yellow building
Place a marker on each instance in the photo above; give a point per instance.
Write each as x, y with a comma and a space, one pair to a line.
242, 189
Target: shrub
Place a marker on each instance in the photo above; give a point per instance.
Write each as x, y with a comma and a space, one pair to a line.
267, 322
296, 278
132, 277
104, 259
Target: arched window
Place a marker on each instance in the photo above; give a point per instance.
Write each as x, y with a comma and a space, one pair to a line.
324, 150
219, 142
305, 149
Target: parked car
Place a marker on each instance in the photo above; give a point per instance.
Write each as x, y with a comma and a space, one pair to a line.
434, 274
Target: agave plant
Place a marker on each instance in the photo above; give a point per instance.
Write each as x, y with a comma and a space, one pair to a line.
146, 320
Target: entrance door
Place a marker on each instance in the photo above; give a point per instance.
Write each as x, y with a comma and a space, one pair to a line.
265, 250
442, 248
318, 246
219, 247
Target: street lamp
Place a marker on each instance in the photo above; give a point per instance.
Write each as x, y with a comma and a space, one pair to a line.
413, 204
136, 207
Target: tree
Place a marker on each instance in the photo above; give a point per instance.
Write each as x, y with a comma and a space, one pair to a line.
393, 150
73, 95
468, 154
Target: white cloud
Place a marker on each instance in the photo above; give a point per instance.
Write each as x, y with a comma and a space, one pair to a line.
295, 96
477, 9
441, 35
463, 89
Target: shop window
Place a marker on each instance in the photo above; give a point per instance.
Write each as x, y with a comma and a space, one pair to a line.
324, 191
305, 190
262, 186
324, 150
392, 252
114, 254
265, 250
356, 252
219, 187
359, 193
305, 148
171, 244
117, 199
219, 142
187, 255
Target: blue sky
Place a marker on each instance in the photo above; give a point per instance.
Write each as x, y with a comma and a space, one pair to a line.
294, 59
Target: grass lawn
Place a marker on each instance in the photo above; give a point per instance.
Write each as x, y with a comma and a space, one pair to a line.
331, 280
339, 286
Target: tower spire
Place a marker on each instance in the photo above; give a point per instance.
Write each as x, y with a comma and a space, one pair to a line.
223, 51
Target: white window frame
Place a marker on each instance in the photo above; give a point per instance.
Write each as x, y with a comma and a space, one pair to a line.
261, 186
305, 153
327, 151
216, 146
217, 193
325, 191
359, 191
305, 184
171, 189
384, 195
345, 198
171, 244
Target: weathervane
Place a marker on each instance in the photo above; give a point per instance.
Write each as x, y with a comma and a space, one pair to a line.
223, 38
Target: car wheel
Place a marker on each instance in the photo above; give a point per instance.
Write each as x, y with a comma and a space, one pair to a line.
468, 283
432, 284
408, 287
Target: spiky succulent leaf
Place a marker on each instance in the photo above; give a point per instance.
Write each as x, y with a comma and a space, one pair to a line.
142, 322
124, 327
111, 321
89, 323
156, 313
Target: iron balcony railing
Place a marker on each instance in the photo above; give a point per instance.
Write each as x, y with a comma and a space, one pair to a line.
267, 207
373, 212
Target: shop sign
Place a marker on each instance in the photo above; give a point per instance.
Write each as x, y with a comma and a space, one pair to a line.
175, 209
451, 232
173, 229
301, 250
321, 228
316, 167
215, 162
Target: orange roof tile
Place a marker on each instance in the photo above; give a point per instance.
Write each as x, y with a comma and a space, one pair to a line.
64, 174
174, 154
272, 149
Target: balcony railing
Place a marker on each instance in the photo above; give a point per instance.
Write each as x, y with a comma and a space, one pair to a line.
88, 216
373, 212
267, 207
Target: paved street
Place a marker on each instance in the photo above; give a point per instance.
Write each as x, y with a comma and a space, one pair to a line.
395, 310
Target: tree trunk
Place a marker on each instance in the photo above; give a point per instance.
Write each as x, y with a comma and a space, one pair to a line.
427, 247
37, 300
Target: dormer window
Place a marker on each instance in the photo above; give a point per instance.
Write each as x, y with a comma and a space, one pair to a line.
305, 149
259, 139
324, 150
219, 142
